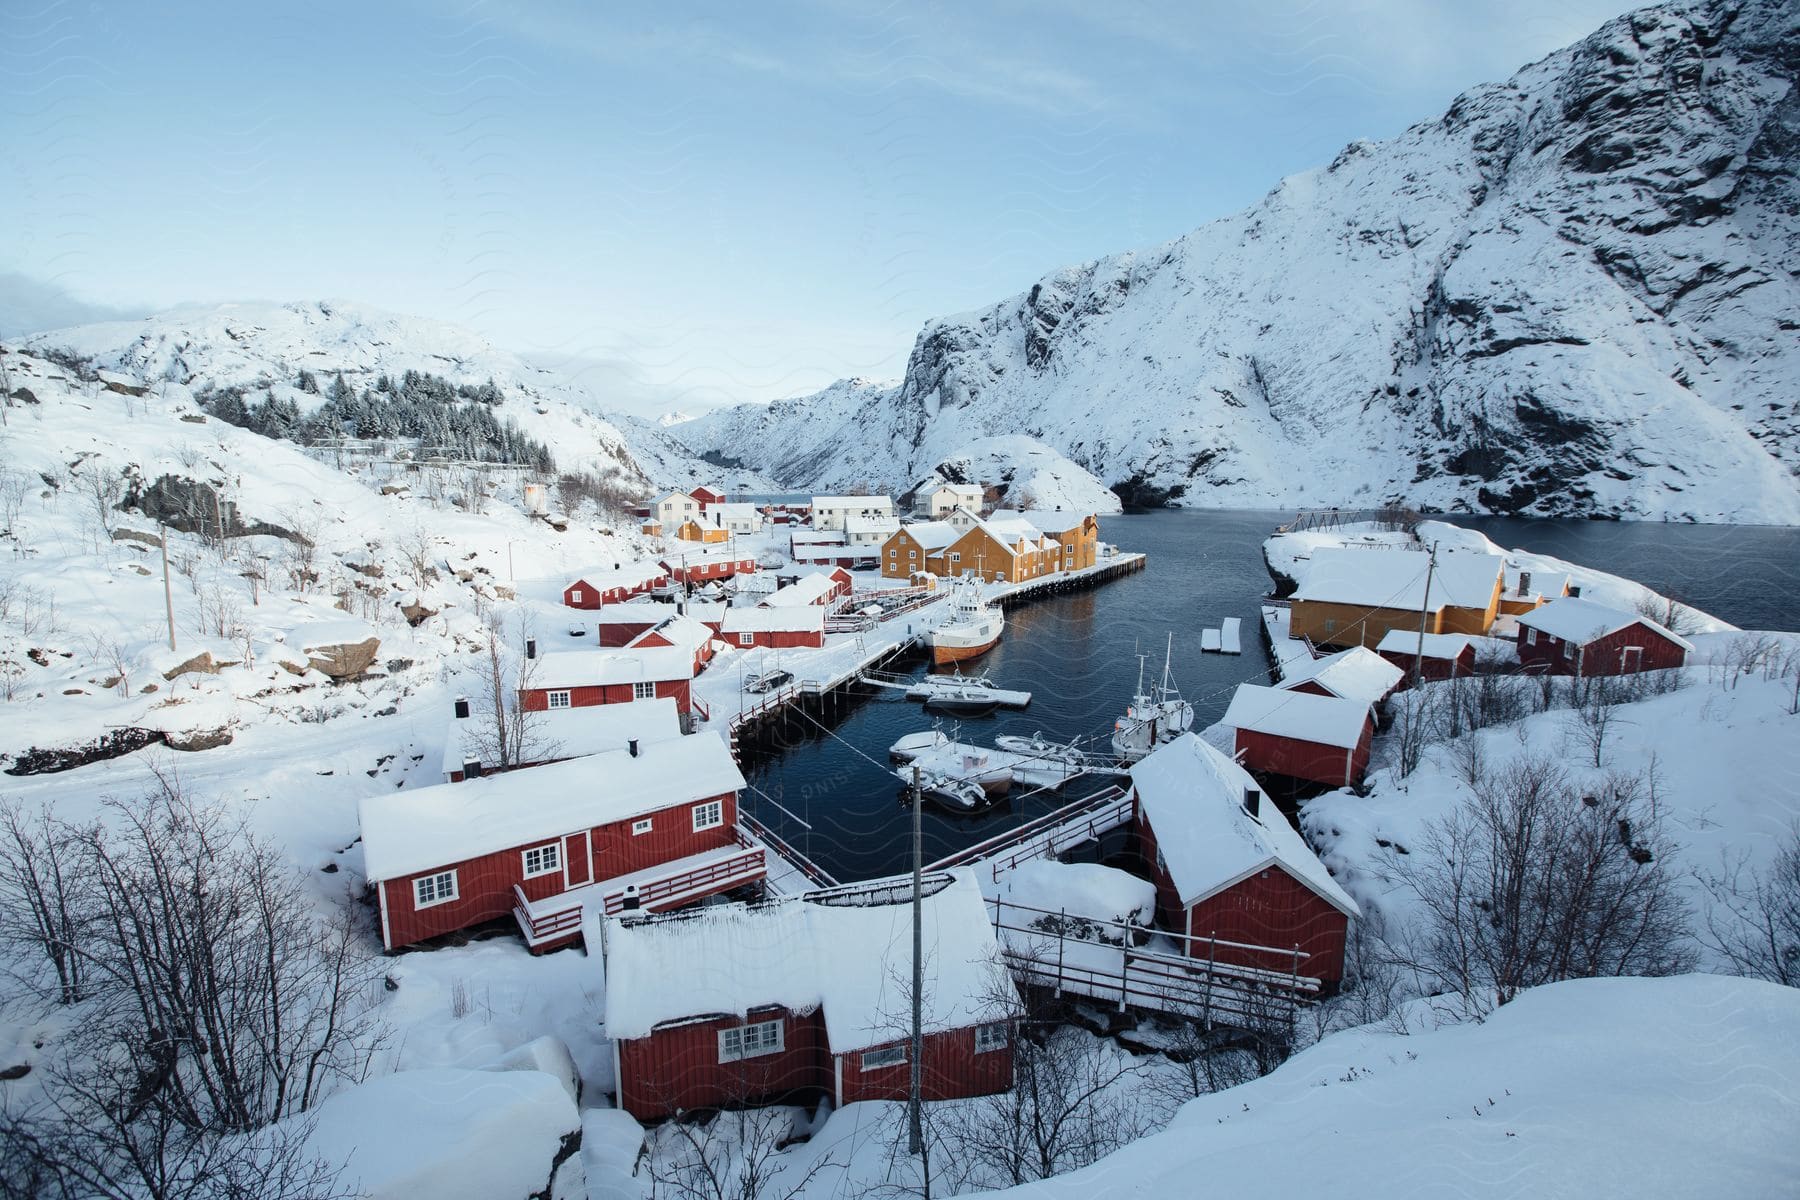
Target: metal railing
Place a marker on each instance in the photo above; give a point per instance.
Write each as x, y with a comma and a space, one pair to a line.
1074, 823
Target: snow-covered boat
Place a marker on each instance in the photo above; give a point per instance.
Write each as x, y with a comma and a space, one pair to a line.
958, 795
1154, 717
944, 691
909, 746
971, 629
1042, 749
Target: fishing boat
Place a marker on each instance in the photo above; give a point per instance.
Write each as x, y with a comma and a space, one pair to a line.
1153, 717
958, 795
970, 630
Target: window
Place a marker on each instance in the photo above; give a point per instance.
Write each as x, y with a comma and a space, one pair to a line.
889, 1056
709, 815
750, 1041
893, 552
990, 1037
575, 595
643, 691
912, 554
956, 556
559, 699
541, 860
746, 639
434, 889
642, 826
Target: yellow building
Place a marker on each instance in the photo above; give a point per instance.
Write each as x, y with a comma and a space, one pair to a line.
693, 531
1007, 547
1356, 597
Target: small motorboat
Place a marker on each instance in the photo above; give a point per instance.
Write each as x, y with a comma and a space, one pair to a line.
1039, 747
957, 795
909, 746
962, 702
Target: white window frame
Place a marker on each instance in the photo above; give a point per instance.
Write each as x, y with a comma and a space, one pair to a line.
642, 826
746, 638
992, 1037
709, 815
956, 556
643, 690
1530, 636
754, 1040
557, 699
440, 895
549, 857
576, 595
886, 1056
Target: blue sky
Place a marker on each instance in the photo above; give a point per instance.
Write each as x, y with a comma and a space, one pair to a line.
728, 202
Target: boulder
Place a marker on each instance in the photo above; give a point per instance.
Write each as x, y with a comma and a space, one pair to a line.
416, 613
198, 739
343, 660
202, 663
146, 537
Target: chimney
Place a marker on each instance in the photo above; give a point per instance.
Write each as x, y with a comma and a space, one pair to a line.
1524, 583
530, 647
472, 768
462, 708
632, 747
630, 901
1253, 802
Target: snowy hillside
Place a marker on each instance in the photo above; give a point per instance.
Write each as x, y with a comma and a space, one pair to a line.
1574, 292
1029, 474
266, 346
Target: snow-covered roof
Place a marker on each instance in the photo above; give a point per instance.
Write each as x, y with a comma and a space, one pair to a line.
1437, 645
622, 574
1353, 674
565, 732
1193, 797
1549, 584
1059, 521
1280, 713
957, 489
681, 631
881, 524
932, 536
733, 512
873, 503
701, 552
816, 537
592, 668
668, 496
412, 830
807, 618
855, 961
1572, 619
807, 590
1393, 578
632, 612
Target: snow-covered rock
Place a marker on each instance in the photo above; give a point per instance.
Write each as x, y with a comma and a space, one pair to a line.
1574, 292
1027, 473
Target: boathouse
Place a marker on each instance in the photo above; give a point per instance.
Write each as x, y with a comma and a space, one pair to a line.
774, 628
700, 564
696, 637
1446, 656
1233, 877
652, 825
1353, 674
472, 746
816, 587
805, 997
1356, 597
581, 678
1571, 636
615, 584
1319, 739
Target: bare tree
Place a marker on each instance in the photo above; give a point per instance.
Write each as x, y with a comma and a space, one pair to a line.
1670, 613
44, 899
1534, 880
1753, 917
103, 487
736, 1153
1598, 698
415, 546
507, 733
14, 486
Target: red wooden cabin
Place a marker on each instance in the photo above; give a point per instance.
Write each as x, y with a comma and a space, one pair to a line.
615, 584
1447, 655
697, 638
707, 496
1572, 636
1232, 875
580, 678
654, 825
825, 587
774, 628
1354, 674
472, 748
1320, 739
800, 997
707, 564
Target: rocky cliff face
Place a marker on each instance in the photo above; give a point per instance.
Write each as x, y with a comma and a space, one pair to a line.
1576, 292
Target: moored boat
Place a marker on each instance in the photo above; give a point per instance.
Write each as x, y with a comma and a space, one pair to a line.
909, 746
1152, 718
958, 795
971, 629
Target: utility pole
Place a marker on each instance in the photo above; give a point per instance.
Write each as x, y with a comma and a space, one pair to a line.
915, 1134
168, 594
1424, 608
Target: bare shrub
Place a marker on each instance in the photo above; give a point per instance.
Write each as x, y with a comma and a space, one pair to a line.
1670, 613
732, 1154
1753, 918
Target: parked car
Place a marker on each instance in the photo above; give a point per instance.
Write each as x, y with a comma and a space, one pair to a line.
767, 681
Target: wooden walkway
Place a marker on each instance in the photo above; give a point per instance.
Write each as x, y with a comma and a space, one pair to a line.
1047, 836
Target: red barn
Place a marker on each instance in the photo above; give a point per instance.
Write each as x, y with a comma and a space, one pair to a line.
579, 678
472, 748
707, 564
1231, 874
1353, 674
774, 628
1571, 636
1447, 655
699, 639
801, 997
653, 825
615, 584
1321, 739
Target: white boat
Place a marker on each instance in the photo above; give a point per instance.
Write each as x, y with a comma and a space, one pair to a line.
960, 795
909, 746
1152, 718
971, 629
1041, 748
965, 691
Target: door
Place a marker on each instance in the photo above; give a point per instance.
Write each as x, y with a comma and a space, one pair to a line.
577, 870
1631, 660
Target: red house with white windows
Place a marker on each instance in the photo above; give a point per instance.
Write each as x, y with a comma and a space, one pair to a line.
802, 998
707, 497
1446, 655
1571, 636
1319, 739
580, 678
699, 639
1233, 877
653, 825
708, 564
774, 628
472, 748
825, 587
615, 584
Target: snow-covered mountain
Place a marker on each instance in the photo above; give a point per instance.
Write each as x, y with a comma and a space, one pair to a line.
1573, 292
266, 346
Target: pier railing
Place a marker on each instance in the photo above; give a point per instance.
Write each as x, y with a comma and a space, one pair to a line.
1046, 836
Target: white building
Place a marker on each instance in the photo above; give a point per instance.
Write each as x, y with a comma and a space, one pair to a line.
940, 500
734, 518
870, 531
830, 512
674, 509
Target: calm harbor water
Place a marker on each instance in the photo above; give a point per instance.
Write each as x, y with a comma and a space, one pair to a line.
1077, 653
